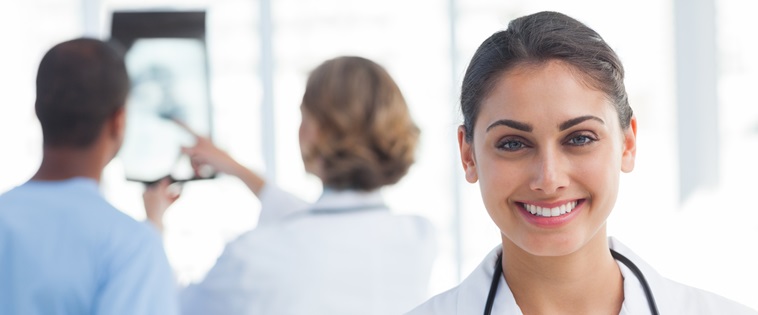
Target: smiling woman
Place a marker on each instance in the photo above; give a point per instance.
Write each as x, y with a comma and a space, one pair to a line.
570, 152
547, 131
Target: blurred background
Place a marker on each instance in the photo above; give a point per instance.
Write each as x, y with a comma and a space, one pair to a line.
692, 71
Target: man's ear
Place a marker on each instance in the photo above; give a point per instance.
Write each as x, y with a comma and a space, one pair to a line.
630, 146
117, 125
467, 156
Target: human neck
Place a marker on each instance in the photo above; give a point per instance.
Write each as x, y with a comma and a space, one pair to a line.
60, 163
587, 281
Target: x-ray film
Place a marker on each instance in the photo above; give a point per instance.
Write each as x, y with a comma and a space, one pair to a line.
167, 63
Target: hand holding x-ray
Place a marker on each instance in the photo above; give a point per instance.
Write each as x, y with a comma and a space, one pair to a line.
158, 197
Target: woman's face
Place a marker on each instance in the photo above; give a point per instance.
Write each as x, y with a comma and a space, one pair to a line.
547, 152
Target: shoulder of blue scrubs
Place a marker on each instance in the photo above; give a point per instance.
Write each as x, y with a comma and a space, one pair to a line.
139, 279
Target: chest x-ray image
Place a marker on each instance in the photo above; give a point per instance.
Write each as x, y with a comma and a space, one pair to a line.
167, 63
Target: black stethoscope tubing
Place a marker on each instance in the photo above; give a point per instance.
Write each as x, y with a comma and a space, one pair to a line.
628, 263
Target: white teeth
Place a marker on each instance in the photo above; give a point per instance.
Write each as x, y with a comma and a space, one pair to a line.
551, 212
556, 211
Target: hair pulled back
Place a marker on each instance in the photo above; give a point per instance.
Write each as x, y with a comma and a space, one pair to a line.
366, 137
536, 39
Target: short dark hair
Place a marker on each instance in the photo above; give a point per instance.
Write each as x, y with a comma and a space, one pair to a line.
536, 39
80, 84
366, 137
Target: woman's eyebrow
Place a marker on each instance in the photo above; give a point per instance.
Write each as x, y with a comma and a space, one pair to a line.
511, 123
575, 121
528, 128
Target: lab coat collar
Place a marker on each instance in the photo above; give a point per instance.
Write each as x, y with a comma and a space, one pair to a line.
473, 292
474, 289
635, 301
670, 296
348, 200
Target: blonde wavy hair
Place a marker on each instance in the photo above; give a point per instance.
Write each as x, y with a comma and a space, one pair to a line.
366, 137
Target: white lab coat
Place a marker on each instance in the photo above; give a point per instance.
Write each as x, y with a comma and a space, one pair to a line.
345, 254
470, 296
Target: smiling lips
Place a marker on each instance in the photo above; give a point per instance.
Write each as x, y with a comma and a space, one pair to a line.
550, 212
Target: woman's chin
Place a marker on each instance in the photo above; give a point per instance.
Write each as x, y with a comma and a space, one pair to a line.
549, 246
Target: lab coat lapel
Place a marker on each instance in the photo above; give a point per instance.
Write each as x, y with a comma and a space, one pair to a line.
635, 301
472, 295
676, 298
474, 290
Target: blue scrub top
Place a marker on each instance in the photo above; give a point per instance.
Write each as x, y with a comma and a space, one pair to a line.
65, 250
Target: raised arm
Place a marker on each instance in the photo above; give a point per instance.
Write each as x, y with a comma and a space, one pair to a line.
204, 153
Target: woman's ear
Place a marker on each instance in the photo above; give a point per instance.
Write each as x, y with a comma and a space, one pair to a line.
467, 156
630, 146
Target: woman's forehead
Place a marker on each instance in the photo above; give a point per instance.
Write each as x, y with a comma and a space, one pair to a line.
540, 92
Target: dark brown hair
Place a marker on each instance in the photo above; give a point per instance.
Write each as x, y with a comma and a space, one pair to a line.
533, 40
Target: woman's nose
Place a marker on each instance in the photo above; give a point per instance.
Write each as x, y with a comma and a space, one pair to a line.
549, 172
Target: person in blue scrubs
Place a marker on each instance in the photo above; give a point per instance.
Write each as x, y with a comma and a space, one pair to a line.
63, 248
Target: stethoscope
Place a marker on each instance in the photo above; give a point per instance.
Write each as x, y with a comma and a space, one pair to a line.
628, 263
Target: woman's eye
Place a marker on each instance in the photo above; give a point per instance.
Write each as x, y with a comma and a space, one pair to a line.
580, 140
511, 145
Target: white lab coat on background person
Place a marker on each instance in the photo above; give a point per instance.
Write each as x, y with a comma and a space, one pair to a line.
470, 297
345, 254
